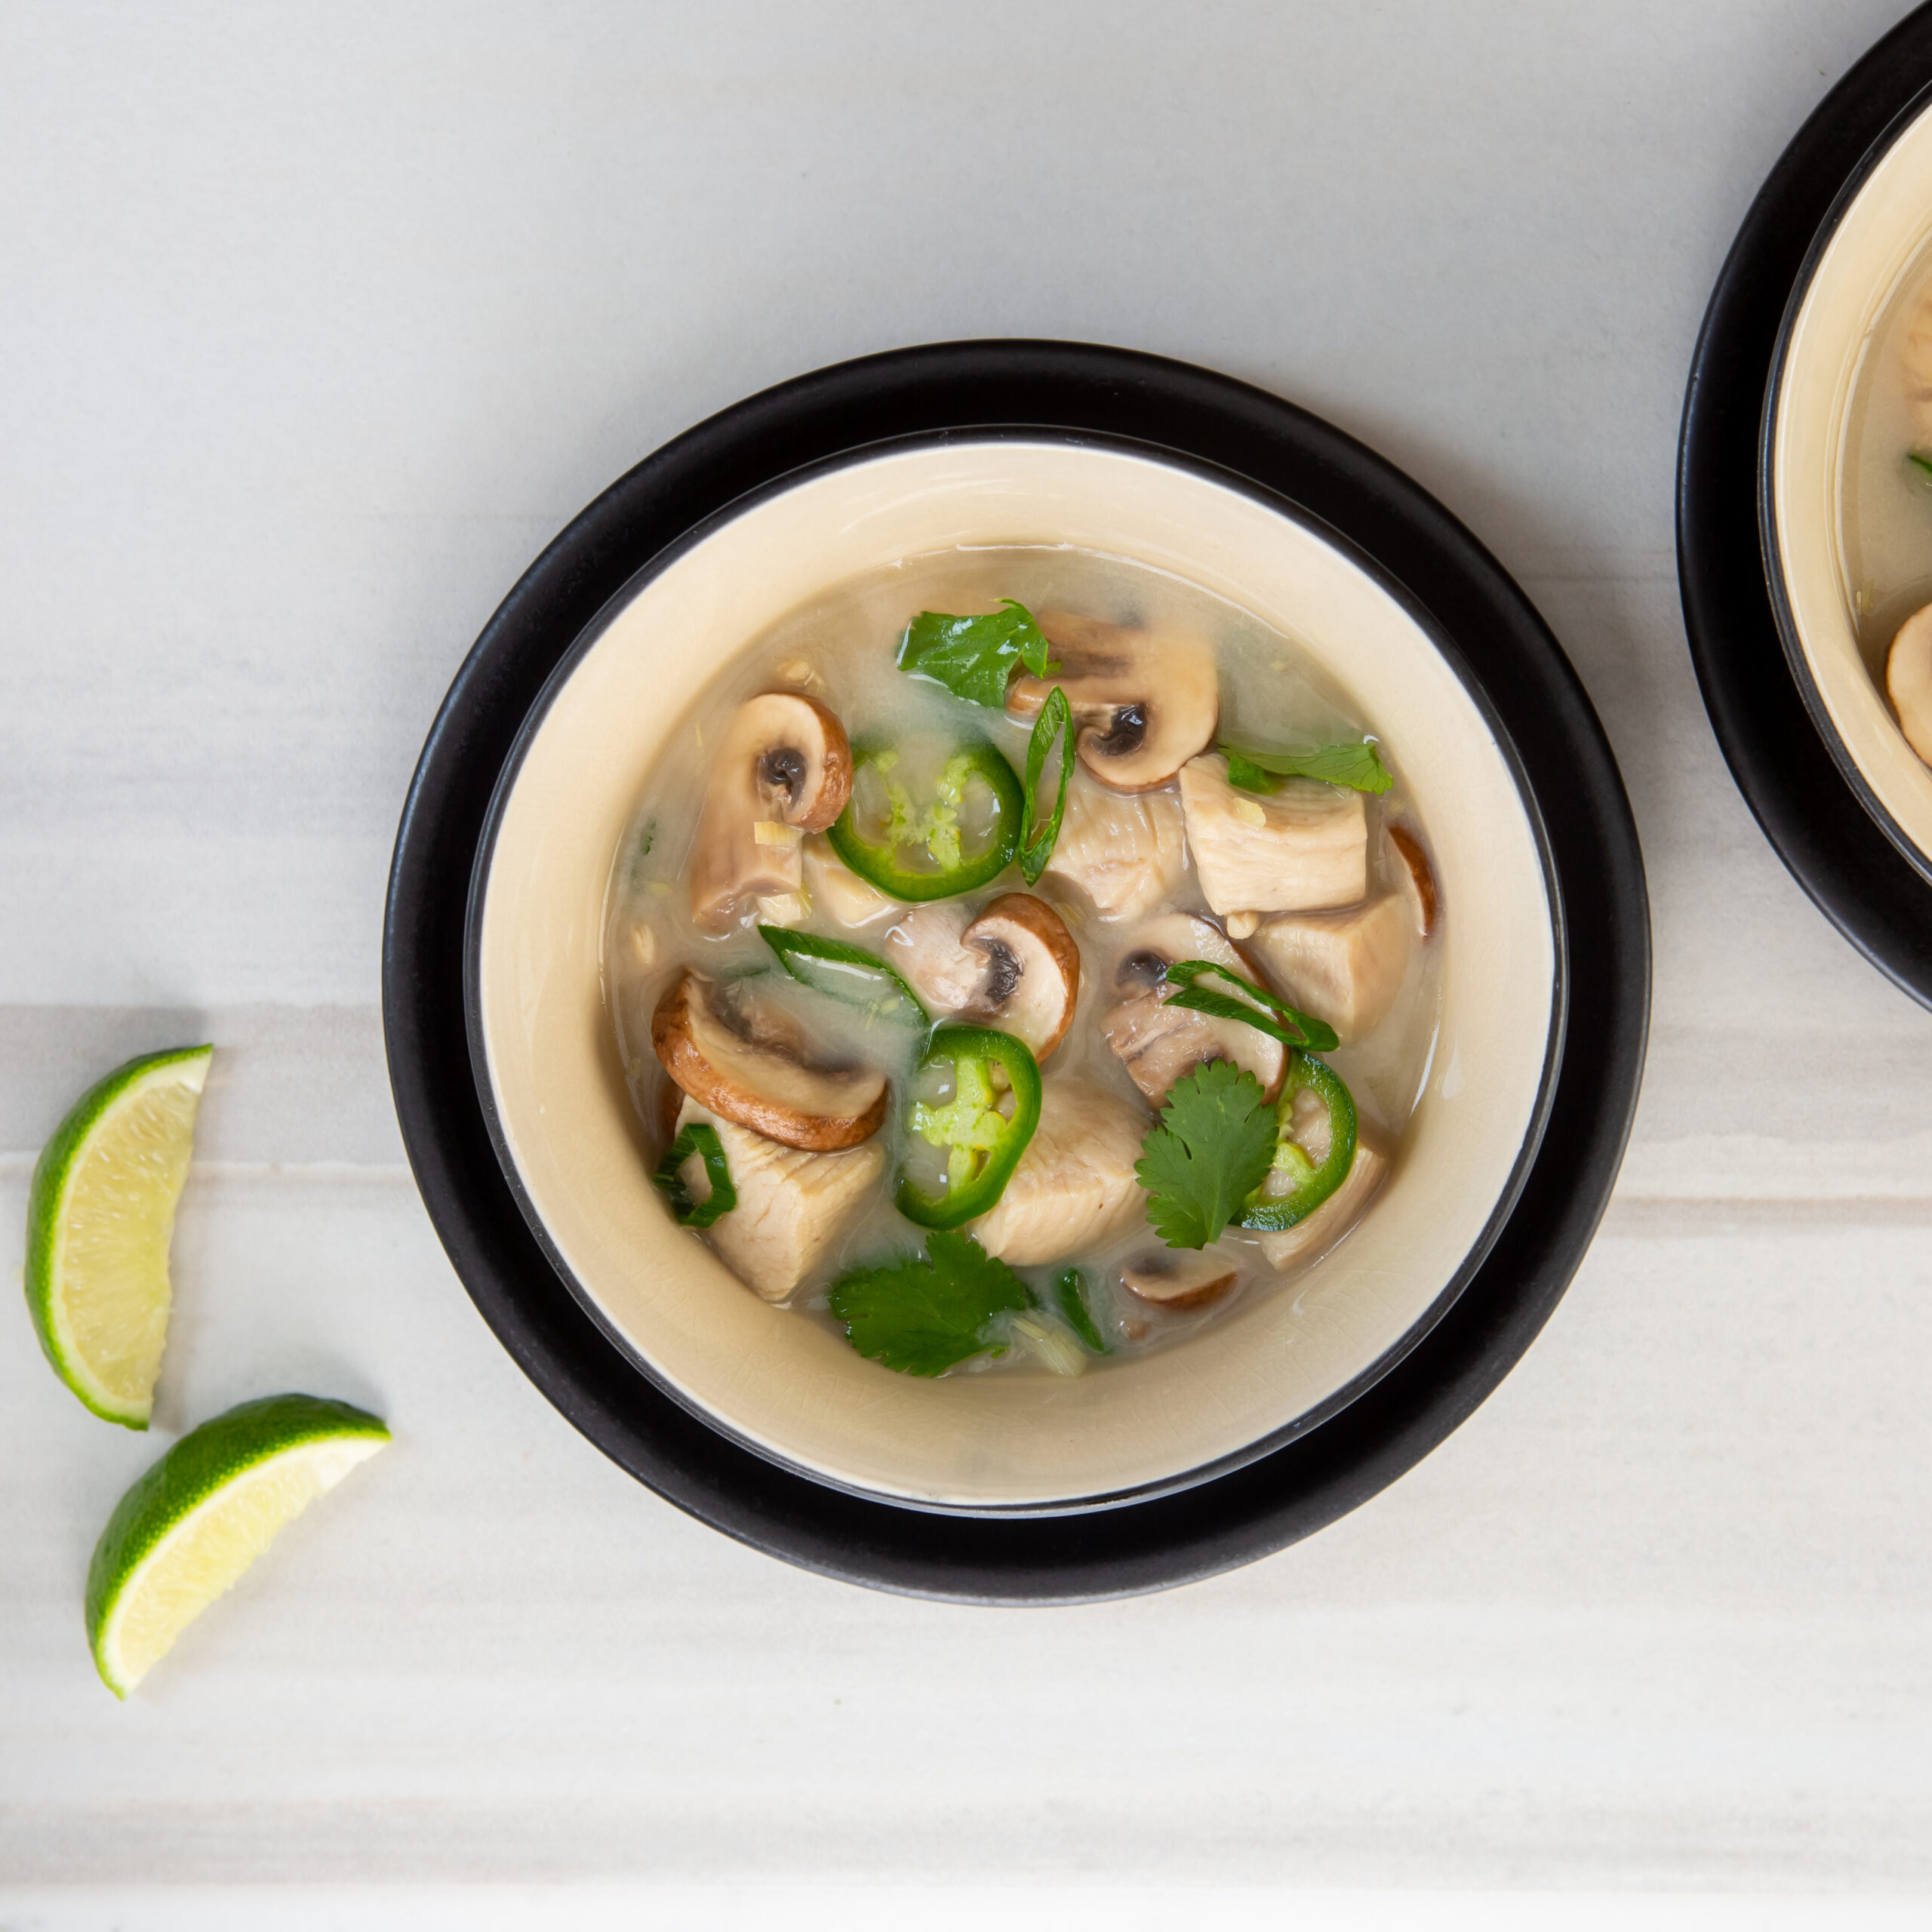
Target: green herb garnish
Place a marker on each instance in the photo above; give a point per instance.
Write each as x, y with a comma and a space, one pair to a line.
1070, 1291
1209, 1151
698, 1138
1920, 458
924, 1317
1055, 720
1357, 766
974, 657
1293, 1028
830, 966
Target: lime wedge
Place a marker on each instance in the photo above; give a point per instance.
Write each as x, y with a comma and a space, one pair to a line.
99, 1217
197, 1520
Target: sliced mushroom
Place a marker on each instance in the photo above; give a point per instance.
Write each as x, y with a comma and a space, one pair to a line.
791, 1204
927, 949
1126, 852
1074, 1185
1015, 966
1344, 968
1146, 701
1303, 848
1909, 681
1157, 1042
1414, 878
1308, 1240
748, 1066
1178, 1282
1032, 976
784, 769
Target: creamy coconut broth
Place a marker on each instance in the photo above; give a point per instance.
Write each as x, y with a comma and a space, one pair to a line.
784, 1070
1885, 504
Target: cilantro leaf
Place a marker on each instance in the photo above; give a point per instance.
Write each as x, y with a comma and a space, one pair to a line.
973, 657
1356, 765
1208, 1151
922, 1317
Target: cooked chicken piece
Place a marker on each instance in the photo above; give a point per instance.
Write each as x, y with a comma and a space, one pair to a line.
1314, 1237
1344, 968
791, 1204
832, 884
1303, 848
927, 950
1074, 1184
1123, 850
1157, 1042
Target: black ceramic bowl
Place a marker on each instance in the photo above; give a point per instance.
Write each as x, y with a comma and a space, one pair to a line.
1268, 1500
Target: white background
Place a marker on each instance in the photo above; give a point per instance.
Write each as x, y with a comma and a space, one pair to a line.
315, 323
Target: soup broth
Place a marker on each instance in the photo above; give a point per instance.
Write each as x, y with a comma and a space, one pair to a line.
841, 651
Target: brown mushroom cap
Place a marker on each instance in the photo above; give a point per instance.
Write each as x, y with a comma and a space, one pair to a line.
786, 761
1146, 701
754, 1073
1179, 1281
1414, 875
1032, 975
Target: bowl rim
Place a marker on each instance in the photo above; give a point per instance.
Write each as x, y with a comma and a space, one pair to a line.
1280, 1499
1784, 612
1466, 1267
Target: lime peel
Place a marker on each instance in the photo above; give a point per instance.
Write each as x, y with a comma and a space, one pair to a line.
196, 1521
101, 1215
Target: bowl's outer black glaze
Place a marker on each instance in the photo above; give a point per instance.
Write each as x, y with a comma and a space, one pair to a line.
1835, 848
1143, 1545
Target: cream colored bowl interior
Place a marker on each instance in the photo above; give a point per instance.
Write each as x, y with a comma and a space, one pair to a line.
791, 1385
1856, 276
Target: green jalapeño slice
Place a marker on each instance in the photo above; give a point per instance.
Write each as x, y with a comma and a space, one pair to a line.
928, 820
976, 1102
1314, 1146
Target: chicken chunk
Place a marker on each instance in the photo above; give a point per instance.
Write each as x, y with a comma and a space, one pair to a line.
1303, 848
1308, 1240
1125, 851
1074, 1185
791, 1204
1344, 968
830, 883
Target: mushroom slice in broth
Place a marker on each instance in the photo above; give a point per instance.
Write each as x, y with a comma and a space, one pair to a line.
745, 1060
784, 769
1146, 701
1157, 1043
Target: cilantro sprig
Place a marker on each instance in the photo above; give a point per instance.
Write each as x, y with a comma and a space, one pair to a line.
1260, 1009
1357, 765
974, 657
922, 1317
1209, 1151
1037, 841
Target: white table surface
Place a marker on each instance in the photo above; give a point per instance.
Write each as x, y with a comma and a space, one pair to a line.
317, 323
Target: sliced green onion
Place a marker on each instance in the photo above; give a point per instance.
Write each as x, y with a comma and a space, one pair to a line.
1055, 720
1293, 1029
698, 1138
831, 966
1070, 1291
